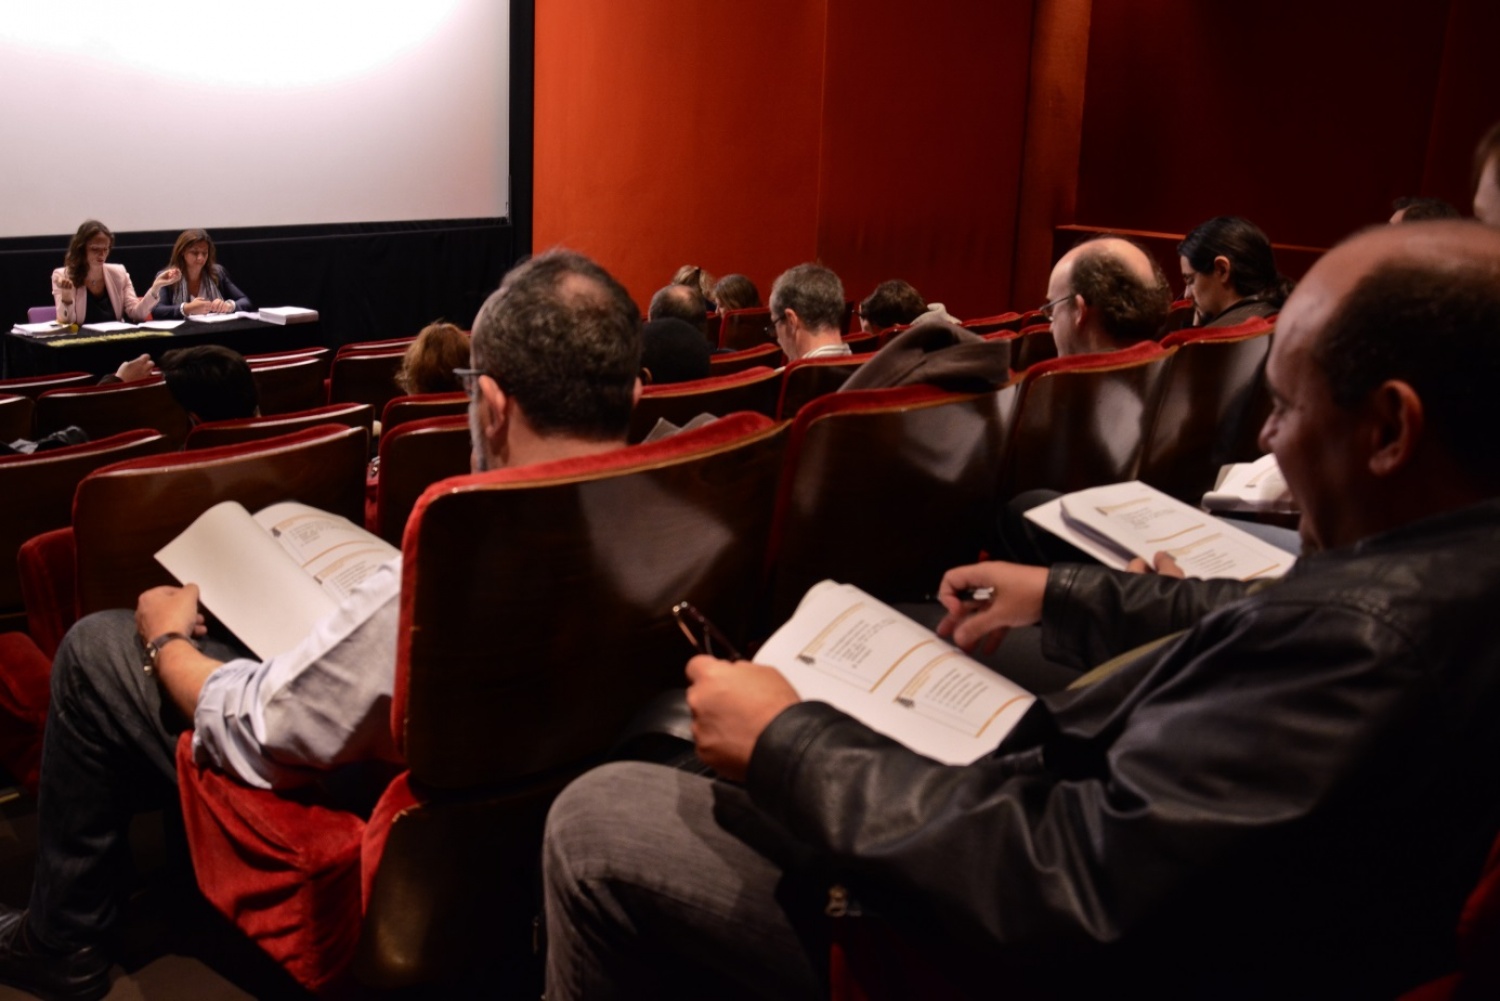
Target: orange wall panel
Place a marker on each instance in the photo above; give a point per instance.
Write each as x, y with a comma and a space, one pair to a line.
671, 132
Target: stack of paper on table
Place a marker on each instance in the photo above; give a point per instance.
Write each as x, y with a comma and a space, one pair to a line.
860, 655
1121, 521
288, 314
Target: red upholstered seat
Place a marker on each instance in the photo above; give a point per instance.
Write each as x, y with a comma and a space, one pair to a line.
365, 377
290, 385
110, 409
215, 434
754, 389
744, 328
737, 361
806, 380
36, 385
508, 683
420, 406
413, 456
25, 692
15, 417
990, 324
1080, 421
1478, 975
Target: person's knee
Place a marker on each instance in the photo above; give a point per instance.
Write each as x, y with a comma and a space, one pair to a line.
103, 641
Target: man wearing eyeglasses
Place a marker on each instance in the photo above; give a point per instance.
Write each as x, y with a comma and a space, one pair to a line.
807, 313
1104, 295
556, 352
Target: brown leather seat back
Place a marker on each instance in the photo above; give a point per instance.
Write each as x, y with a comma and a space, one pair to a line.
754, 389
1034, 344
15, 417
1208, 413
289, 386
38, 491
413, 457
365, 378
404, 409
123, 514
1082, 427
108, 410
386, 346
885, 489
744, 328
806, 380
215, 434
536, 615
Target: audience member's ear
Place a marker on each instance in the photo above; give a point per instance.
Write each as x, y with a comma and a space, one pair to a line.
1222, 268
635, 395
645, 378
1399, 420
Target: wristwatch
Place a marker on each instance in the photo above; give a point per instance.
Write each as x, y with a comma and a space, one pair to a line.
153, 650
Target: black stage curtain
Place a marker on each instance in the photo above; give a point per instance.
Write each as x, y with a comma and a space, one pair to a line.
368, 281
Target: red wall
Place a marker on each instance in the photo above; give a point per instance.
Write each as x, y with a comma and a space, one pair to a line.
1308, 118
751, 137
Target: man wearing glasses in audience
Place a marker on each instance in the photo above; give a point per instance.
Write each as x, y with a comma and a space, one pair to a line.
1104, 295
807, 313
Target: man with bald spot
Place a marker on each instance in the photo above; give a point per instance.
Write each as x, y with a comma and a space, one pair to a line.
1291, 798
1104, 295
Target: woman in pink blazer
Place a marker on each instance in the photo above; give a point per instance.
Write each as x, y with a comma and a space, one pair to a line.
87, 290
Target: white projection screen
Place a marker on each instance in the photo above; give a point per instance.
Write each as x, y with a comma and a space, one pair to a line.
167, 114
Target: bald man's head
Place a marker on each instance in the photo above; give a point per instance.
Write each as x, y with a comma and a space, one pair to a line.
1113, 294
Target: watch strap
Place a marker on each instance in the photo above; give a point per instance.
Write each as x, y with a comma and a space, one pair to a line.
154, 647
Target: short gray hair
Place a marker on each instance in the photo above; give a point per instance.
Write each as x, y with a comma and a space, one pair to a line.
813, 292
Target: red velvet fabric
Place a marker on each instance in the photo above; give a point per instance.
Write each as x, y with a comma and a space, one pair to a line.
49, 586
1258, 325
724, 431
712, 382
1140, 351
285, 871
25, 692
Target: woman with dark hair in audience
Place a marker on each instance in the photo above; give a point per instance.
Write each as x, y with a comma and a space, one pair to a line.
202, 285
87, 290
429, 363
1230, 272
735, 292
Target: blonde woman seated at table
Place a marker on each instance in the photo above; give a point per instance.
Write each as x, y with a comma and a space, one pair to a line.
87, 290
202, 285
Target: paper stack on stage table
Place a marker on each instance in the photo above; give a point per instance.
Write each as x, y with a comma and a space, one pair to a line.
288, 314
1251, 486
214, 317
112, 327
48, 329
860, 655
1125, 520
161, 324
271, 577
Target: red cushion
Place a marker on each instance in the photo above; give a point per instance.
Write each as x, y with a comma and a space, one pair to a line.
1140, 351
398, 797
49, 586
285, 870
1250, 328
25, 692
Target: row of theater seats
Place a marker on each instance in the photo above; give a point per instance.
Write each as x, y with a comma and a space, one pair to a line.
285, 382
509, 681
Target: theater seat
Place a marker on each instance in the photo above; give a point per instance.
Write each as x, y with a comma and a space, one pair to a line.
124, 513
413, 456
726, 362
744, 328
1081, 421
885, 489
365, 378
421, 406
806, 380
291, 385
214, 434
110, 409
754, 389
508, 683
36, 385
15, 417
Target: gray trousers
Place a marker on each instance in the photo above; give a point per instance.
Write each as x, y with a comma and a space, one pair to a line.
660, 883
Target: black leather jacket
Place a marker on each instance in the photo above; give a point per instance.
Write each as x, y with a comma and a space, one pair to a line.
1291, 799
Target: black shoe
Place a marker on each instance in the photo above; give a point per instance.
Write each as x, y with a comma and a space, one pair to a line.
81, 975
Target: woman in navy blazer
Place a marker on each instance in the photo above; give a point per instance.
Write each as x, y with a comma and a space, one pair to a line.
87, 290
200, 285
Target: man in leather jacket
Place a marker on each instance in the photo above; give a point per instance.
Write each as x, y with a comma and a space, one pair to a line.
1290, 798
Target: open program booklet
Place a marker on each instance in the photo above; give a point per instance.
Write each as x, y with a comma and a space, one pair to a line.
1124, 520
846, 648
272, 576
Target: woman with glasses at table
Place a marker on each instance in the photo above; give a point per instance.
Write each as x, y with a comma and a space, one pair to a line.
201, 285
88, 290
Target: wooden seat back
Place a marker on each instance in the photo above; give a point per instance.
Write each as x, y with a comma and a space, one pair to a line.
744, 328
365, 378
420, 406
885, 489
1081, 421
806, 380
123, 514
1209, 411
216, 434
289, 386
413, 456
38, 491
110, 409
537, 615
754, 389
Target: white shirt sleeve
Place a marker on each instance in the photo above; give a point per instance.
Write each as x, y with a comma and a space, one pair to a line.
323, 703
